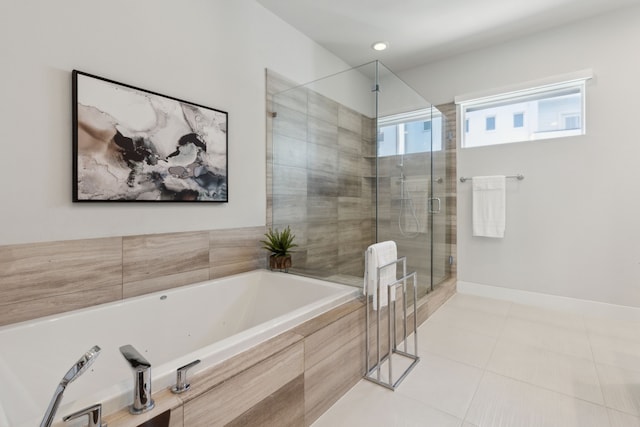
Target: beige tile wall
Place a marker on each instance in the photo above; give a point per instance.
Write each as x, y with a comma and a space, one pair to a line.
40, 279
245, 390
451, 180
315, 177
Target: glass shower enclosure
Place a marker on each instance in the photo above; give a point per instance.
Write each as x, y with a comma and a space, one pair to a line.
357, 158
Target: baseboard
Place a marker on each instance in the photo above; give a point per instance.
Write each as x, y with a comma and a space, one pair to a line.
555, 302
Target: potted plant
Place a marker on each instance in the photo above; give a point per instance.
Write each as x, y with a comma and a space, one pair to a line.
279, 243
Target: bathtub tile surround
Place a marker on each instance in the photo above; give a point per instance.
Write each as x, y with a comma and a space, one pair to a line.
339, 344
318, 186
40, 279
245, 390
248, 389
235, 251
226, 317
162, 261
282, 408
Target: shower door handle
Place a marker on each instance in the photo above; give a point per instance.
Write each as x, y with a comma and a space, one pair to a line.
431, 209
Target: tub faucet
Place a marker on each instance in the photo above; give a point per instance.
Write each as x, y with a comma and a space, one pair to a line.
76, 370
142, 401
94, 412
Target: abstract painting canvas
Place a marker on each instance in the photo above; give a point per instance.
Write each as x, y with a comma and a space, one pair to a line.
130, 145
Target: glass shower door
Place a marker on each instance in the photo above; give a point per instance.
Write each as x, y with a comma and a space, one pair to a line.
438, 211
406, 206
357, 158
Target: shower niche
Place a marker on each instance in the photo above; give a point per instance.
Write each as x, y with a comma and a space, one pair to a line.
356, 158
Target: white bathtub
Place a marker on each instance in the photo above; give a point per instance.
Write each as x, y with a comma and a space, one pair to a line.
210, 321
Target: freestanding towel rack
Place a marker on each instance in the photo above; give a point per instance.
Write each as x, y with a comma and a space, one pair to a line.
374, 373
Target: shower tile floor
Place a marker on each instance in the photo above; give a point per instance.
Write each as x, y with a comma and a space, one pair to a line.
492, 363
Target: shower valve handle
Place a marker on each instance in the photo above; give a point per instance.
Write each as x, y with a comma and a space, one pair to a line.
431, 209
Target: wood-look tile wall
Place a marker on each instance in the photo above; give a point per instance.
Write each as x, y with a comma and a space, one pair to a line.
451, 180
41, 279
334, 362
316, 183
244, 391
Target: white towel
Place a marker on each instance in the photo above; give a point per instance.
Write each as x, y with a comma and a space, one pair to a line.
380, 254
489, 206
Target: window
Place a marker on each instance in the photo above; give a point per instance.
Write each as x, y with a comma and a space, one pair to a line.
490, 123
387, 141
553, 110
414, 132
518, 120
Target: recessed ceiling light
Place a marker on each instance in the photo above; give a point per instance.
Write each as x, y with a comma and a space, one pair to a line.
380, 45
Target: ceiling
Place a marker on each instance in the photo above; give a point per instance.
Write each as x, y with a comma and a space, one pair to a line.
422, 31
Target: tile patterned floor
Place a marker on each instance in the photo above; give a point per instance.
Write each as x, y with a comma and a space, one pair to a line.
491, 363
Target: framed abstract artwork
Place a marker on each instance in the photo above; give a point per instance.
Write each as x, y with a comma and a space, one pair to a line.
133, 145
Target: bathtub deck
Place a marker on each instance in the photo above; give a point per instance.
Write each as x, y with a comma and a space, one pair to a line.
298, 401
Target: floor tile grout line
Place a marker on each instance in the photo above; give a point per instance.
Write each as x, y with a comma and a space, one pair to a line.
595, 368
457, 305
484, 372
553, 350
556, 353
413, 399
587, 332
538, 347
594, 334
557, 392
447, 325
548, 389
478, 311
441, 356
622, 368
606, 405
549, 324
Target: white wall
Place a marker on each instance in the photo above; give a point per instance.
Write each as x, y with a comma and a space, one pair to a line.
573, 225
210, 52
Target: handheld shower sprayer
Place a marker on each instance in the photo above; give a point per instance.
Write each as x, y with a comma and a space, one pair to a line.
76, 370
407, 208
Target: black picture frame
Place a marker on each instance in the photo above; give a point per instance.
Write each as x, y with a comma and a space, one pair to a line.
135, 145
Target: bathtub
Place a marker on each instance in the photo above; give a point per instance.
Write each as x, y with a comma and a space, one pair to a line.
210, 321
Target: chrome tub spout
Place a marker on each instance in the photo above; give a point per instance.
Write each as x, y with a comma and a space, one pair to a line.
142, 401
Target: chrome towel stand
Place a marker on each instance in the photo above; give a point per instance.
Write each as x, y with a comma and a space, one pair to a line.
374, 373
519, 177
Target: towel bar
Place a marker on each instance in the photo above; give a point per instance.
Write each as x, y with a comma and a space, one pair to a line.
519, 177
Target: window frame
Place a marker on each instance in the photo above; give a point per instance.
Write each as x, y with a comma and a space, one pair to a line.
517, 94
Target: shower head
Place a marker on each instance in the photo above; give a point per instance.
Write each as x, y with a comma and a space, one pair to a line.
81, 365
